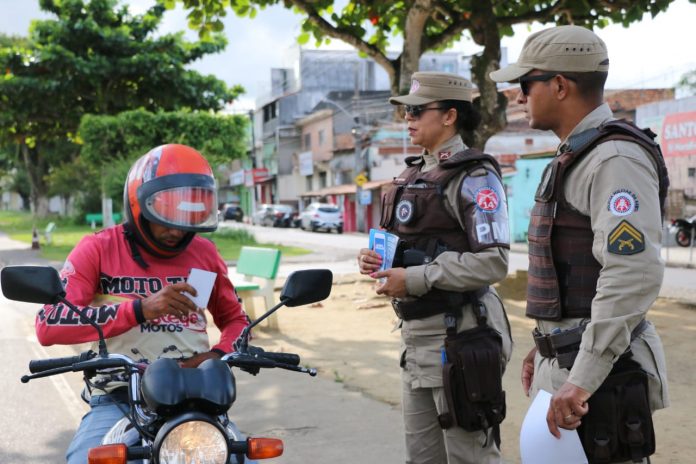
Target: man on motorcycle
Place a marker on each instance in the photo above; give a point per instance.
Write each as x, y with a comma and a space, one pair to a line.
130, 279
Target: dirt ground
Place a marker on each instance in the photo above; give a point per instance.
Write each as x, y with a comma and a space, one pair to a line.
350, 338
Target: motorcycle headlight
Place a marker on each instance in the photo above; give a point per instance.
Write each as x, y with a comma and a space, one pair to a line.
194, 442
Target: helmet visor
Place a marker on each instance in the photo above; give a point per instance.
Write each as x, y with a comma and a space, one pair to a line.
188, 208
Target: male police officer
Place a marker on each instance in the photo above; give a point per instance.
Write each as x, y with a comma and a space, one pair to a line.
594, 249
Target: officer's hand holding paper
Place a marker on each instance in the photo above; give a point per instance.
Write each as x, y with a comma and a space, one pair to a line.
393, 280
538, 446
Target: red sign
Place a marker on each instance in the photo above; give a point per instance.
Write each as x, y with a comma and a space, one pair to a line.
259, 175
679, 134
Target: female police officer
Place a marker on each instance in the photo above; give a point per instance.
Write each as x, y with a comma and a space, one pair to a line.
449, 210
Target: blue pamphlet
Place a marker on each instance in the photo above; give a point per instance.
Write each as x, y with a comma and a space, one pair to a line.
383, 243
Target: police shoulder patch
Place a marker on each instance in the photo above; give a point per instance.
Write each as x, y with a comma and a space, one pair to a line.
623, 202
487, 199
625, 239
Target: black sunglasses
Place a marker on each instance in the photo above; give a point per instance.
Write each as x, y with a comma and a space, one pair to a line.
525, 80
416, 110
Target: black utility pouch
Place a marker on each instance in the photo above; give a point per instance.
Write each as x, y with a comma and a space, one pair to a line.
472, 378
618, 426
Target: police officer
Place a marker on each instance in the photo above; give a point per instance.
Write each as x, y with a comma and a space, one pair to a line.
594, 235
449, 210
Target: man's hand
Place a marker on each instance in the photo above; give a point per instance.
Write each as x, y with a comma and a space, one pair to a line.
369, 261
169, 300
196, 359
567, 406
395, 286
528, 371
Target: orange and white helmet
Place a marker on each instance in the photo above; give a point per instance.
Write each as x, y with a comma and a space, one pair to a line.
173, 186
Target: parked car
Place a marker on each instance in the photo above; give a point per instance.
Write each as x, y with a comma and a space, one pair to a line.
231, 212
274, 215
322, 216
263, 216
283, 215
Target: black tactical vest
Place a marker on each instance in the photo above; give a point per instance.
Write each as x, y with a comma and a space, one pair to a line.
563, 273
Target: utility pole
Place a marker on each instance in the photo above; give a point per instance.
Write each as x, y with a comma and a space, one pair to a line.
357, 137
254, 196
359, 207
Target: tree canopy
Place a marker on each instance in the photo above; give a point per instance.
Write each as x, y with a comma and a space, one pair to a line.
427, 25
112, 143
95, 57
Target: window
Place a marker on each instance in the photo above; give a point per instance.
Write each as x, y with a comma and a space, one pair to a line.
321, 137
269, 112
307, 141
322, 179
691, 172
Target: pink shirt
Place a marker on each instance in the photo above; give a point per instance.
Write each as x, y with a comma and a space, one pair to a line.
101, 277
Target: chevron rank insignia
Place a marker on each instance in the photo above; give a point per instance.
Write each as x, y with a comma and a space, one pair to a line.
625, 240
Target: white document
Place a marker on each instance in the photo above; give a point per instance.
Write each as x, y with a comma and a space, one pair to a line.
203, 282
538, 446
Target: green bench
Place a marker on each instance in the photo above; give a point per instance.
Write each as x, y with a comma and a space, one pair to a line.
98, 218
258, 268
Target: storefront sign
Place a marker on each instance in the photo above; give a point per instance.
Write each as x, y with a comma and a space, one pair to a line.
306, 163
237, 177
679, 134
365, 197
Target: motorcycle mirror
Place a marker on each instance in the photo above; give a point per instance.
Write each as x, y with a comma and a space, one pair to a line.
307, 286
32, 284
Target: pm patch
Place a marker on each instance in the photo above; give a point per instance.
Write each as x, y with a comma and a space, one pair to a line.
404, 211
622, 203
625, 240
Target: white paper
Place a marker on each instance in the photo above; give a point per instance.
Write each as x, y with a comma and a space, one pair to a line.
203, 282
538, 446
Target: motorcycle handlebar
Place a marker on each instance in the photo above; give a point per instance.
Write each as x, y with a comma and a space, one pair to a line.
283, 358
41, 365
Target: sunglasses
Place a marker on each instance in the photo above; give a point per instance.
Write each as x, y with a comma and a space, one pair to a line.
415, 111
525, 80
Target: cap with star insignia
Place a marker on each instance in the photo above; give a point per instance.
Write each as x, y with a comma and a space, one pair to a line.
625, 240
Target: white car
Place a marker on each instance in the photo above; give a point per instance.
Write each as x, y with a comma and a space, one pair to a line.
322, 216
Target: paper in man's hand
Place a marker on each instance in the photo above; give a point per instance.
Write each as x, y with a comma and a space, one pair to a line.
203, 282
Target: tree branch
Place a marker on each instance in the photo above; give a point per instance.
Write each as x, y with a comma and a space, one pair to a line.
332, 31
530, 16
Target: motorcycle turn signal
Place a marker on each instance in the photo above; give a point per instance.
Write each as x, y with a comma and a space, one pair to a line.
264, 448
108, 454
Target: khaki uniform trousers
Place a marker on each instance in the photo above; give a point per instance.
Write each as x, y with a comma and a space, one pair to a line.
427, 443
647, 351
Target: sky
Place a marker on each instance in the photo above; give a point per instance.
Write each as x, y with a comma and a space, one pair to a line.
652, 53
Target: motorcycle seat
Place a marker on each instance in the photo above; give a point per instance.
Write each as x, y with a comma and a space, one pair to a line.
169, 389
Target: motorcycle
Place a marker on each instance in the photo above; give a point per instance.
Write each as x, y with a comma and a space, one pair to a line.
684, 230
176, 415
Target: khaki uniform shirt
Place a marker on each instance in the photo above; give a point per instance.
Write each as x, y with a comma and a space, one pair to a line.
628, 284
422, 339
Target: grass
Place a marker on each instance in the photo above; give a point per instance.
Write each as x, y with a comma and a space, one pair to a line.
19, 225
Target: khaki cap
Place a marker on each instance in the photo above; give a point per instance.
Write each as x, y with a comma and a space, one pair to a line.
428, 87
562, 48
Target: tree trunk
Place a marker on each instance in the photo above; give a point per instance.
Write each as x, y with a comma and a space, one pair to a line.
413, 38
491, 103
36, 172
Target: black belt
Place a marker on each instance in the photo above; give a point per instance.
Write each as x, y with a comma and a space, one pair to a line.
564, 345
441, 303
